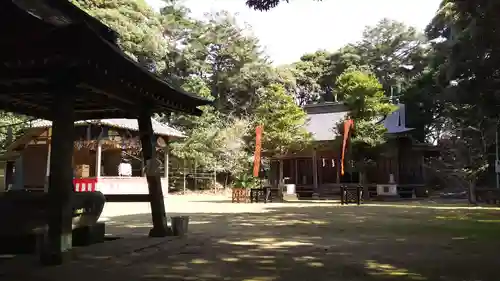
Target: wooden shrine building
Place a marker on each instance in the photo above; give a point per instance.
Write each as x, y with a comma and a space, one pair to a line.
60, 64
316, 172
100, 147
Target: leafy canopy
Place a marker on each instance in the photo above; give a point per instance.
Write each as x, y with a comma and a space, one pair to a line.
283, 121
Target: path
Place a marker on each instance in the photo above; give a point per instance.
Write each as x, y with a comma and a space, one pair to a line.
295, 241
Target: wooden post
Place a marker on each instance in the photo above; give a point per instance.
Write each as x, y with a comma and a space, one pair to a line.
19, 174
152, 176
423, 176
49, 150
98, 157
194, 175
280, 179
60, 193
8, 174
184, 176
280, 176
337, 169
166, 163
296, 160
215, 180
315, 174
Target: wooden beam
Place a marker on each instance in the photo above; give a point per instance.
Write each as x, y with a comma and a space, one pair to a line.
15, 100
60, 192
128, 198
152, 175
24, 109
102, 115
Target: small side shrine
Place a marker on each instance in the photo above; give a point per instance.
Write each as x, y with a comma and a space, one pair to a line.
60, 64
109, 142
316, 172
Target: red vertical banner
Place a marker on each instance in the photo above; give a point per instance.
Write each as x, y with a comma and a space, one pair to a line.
348, 125
258, 147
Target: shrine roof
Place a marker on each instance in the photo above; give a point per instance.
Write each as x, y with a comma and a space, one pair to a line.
122, 123
49, 43
322, 118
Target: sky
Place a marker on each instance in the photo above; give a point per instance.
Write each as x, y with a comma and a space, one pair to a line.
304, 26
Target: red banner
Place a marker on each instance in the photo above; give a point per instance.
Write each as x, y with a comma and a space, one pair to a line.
348, 125
258, 144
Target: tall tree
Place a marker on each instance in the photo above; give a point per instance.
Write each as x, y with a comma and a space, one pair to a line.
283, 121
364, 96
220, 51
394, 52
140, 28
469, 49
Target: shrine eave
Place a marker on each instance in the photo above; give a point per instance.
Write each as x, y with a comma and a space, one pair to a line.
107, 83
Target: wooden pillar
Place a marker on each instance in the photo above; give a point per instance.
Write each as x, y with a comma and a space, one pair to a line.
195, 176
166, 163
280, 179
49, 150
152, 176
9, 174
280, 176
423, 176
315, 173
296, 160
60, 193
98, 157
19, 174
320, 171
9, 165
184, 176
398, 164
337, 169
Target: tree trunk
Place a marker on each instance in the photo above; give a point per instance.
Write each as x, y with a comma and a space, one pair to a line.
472, 192
362, 181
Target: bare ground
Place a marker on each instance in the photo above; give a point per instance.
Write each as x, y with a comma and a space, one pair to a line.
289, 241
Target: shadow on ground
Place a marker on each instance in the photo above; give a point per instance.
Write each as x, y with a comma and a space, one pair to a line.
294, 242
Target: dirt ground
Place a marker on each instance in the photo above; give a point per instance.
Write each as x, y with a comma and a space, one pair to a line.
288, 241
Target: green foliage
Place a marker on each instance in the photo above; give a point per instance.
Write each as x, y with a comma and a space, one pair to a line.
363, 95
466, 62
246, 180
282, 119
139, 27
11, 122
